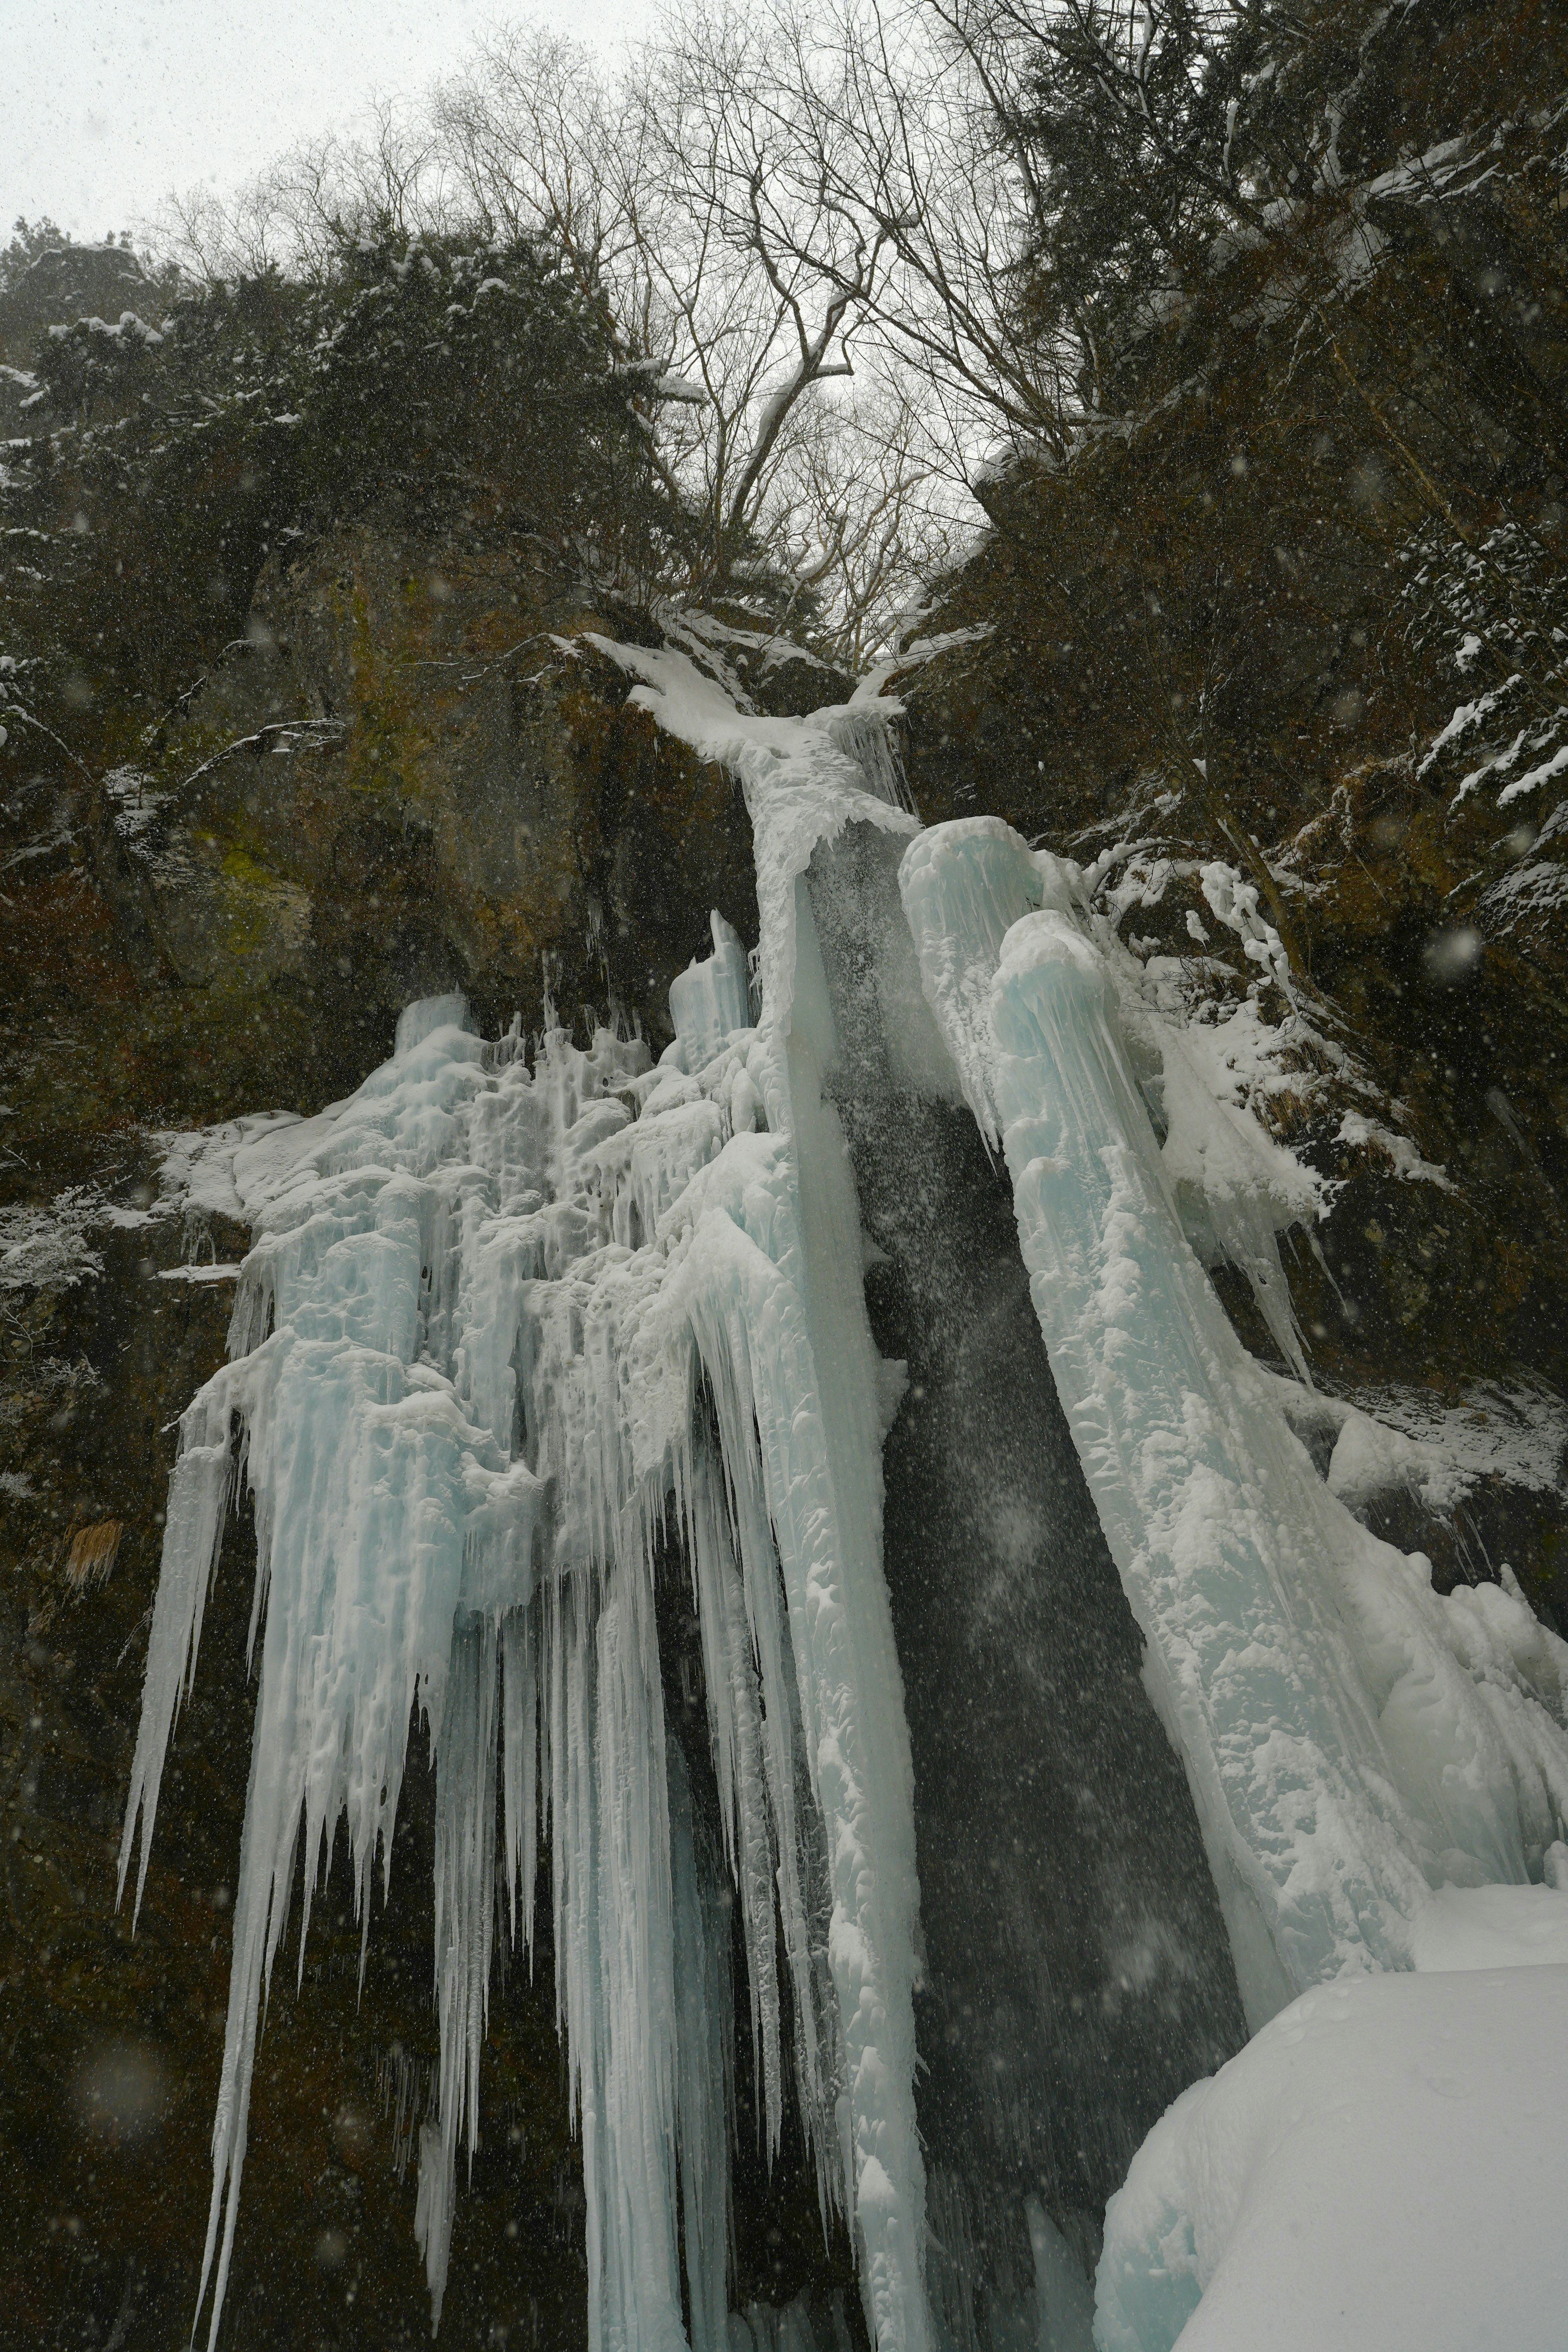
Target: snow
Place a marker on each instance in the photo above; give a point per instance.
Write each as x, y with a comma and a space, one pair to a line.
1534, 888
1369, 1462
47, 1247
1351, 1739
1495, 1926
913, 653
682, 389
1366, 1134
1390, 1441
1235, 1189
803, 778
1466, 715
1379, 2170
235, 1169
134, 803
1540, 774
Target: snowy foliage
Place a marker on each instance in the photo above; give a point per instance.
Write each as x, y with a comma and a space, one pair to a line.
47, 1247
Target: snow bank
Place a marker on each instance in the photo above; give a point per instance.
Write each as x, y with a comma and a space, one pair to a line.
1380, 2170
1497, 1927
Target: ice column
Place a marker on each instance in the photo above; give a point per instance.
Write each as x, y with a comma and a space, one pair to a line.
1076, 1970
1347, 1743
709, 1000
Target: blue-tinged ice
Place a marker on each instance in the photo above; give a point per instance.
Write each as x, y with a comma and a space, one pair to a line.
1352, 1740
500, 1315
711, 998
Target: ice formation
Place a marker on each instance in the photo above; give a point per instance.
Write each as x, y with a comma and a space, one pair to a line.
1352, 1739
510, 1342
521, 1333
1076, 1971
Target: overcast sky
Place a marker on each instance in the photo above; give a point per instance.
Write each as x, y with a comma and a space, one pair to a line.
105, 107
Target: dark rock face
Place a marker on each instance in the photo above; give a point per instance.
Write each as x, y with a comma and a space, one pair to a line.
1078, 1972
1078, 1975
413, 774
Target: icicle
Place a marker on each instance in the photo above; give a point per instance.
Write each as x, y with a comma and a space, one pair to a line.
965, 885
404, 2088
465, 1913
731, 1675
637, 1987
799, 1859
199, 1492
774, 1332
519, 1770
865, 732
709, 999
481, 1303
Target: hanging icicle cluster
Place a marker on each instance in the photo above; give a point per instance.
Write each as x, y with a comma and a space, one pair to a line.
503, 1331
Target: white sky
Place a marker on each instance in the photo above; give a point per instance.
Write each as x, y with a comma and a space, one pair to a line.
105, 107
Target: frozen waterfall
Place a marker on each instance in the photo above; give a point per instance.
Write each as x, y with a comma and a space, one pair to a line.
1077, 1972
523, 1333
1352, 1739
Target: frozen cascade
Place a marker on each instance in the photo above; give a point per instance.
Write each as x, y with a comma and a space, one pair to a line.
521, 1333
500, 1322
1352, 1739
1077, 1975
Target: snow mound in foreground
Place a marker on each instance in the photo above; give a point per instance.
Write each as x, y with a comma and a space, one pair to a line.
1380, 2170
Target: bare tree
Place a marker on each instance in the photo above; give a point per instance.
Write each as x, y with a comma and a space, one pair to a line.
299, 214
714, 190
770, 278
545, 141
880, 121
667, 188
867, 512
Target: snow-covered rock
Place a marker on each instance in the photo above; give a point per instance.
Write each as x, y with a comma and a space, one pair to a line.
1380, 2170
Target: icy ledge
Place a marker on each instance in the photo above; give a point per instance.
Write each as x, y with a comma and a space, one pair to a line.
1352, 1739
